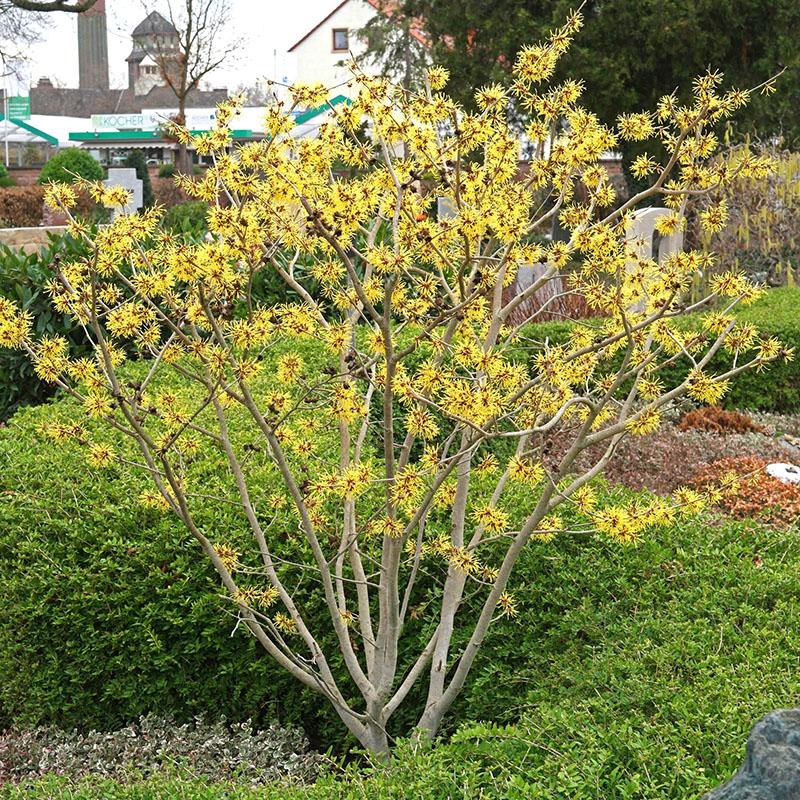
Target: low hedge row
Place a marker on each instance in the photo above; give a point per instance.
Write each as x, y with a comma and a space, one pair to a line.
629, 672
21, 206
775, 389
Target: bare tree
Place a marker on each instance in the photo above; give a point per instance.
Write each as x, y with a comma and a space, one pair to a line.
18, 31
75, 6
199, 45
21, 25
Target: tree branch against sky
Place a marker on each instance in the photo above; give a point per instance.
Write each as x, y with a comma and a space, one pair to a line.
19, 29
204, 43
74, 6
22, 24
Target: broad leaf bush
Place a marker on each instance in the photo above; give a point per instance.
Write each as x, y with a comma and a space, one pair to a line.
24, 278
410, 465
70, 165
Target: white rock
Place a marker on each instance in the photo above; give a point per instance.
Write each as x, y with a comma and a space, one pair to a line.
786, 473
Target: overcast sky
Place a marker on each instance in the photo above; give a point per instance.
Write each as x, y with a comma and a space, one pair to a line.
269, 28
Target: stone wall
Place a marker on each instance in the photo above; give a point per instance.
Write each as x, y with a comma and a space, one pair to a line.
28, 239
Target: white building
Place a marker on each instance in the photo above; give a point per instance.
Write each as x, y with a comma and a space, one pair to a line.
321, 53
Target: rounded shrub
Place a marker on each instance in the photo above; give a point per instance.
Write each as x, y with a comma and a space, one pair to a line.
5, 179
653, 660
69, 163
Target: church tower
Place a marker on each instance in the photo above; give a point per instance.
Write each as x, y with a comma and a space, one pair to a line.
93, 47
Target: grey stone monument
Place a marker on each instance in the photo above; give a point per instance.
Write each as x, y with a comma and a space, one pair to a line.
446, 208
644, 238
645, 241
127, 178
771, 768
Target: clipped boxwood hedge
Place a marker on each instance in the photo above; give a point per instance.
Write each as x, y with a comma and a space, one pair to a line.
631, 673
777, 388
641, 667
110, 610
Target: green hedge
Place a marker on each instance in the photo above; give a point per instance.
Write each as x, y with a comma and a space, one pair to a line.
23, 279
629, 673
635, 670
636, 673
109, 608
777, 388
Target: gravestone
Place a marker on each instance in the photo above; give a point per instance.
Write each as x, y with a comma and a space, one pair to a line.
446, 208
126, 177
545, 297
785, 473
646, 242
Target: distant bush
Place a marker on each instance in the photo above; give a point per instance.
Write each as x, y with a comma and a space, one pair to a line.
21, 206
763, 235
718, 420
66, 164
166, 170
188, 219
5, 179
24, 278
166, 193
210, 751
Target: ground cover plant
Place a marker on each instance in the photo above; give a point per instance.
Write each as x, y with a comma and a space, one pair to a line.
215, 752
411, 463
623, 677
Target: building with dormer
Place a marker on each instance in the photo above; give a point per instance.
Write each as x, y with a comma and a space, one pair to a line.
155, 42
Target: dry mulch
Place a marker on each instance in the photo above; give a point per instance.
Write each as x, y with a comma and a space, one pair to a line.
671, 457
758, 496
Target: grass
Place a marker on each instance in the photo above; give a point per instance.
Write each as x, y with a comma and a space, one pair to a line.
630, 673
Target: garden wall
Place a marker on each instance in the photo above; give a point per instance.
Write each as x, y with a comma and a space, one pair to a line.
29, 239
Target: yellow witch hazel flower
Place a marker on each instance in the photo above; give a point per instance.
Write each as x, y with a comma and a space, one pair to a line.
347, 406
60, 195
619, 523
494, 519
344, 364
523, 471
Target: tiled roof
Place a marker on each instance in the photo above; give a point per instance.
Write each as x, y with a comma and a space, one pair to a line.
154, 24
384, 6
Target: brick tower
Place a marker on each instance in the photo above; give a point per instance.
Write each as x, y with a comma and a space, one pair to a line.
93, 47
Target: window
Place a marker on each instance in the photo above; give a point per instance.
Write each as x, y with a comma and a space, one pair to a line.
340, 39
